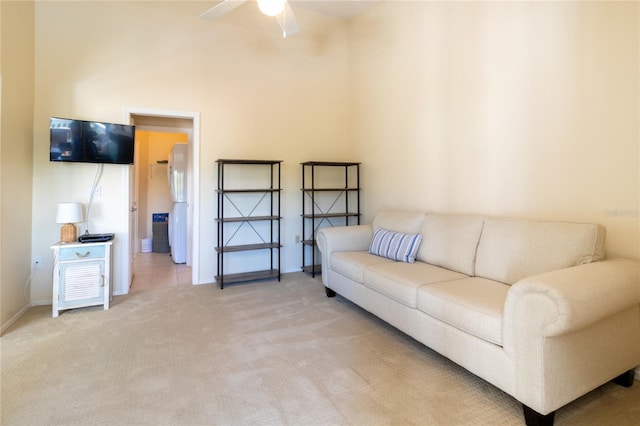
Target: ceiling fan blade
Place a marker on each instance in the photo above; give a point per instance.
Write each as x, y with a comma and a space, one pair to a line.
287, 21
221, 8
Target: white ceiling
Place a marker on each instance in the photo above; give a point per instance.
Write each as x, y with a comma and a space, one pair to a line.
344, 9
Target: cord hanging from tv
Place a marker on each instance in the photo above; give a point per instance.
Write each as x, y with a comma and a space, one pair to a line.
82, 141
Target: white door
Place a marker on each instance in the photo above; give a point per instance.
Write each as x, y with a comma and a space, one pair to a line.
193, 219
133, 217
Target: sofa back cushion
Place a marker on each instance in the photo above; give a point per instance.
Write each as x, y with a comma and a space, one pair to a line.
407, 222
450, 241
512, 249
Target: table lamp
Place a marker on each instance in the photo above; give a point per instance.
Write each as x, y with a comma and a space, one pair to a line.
68, 214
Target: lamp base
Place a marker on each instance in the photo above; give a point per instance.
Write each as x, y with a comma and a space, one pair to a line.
68, 233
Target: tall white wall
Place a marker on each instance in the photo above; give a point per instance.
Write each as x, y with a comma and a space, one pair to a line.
16, 148
501, 108
258, 95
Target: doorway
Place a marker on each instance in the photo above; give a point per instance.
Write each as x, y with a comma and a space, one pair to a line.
167, 122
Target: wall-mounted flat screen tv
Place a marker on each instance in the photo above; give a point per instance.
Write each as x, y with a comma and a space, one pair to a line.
82, 141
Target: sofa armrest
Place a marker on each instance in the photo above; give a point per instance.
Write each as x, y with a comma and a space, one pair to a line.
342, 238
567, 300
571, 330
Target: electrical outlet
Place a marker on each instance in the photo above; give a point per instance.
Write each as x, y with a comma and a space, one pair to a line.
97, 191
37, 261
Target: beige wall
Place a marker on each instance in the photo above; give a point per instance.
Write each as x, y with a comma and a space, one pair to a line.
258, 95
519, 109
16, 135
501, 108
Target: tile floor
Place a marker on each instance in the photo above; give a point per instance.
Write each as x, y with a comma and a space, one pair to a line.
157, 270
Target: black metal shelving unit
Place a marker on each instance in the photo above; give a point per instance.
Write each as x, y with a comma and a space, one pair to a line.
327, 204
264, 207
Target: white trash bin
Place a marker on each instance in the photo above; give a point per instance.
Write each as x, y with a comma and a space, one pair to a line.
147, 245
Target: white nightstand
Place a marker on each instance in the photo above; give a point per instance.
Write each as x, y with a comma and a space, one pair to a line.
81, 275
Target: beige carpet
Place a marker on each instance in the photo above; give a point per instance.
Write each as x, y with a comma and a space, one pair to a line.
255, 354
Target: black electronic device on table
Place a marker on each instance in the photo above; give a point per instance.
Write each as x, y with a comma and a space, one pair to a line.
96, 238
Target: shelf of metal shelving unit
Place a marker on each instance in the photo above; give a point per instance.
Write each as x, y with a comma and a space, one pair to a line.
342, 205
229, 222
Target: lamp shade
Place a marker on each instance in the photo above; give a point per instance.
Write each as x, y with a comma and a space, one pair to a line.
69, 213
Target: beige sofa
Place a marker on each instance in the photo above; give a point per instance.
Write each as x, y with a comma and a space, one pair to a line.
529, 306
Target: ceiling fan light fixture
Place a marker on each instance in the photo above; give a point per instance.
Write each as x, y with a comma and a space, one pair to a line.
271, 7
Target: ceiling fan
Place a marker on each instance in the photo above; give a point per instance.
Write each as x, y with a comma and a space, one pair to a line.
278, 8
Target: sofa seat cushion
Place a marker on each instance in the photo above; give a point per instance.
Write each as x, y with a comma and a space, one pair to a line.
400, 281
474, 305
351, 264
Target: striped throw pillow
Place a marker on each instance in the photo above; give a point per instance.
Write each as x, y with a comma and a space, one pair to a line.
395, 245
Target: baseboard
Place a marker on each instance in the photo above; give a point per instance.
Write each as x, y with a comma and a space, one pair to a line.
14, 318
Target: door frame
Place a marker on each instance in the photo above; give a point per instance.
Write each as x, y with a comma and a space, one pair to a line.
194, 152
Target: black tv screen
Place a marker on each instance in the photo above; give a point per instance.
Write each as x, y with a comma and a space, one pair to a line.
83, 141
